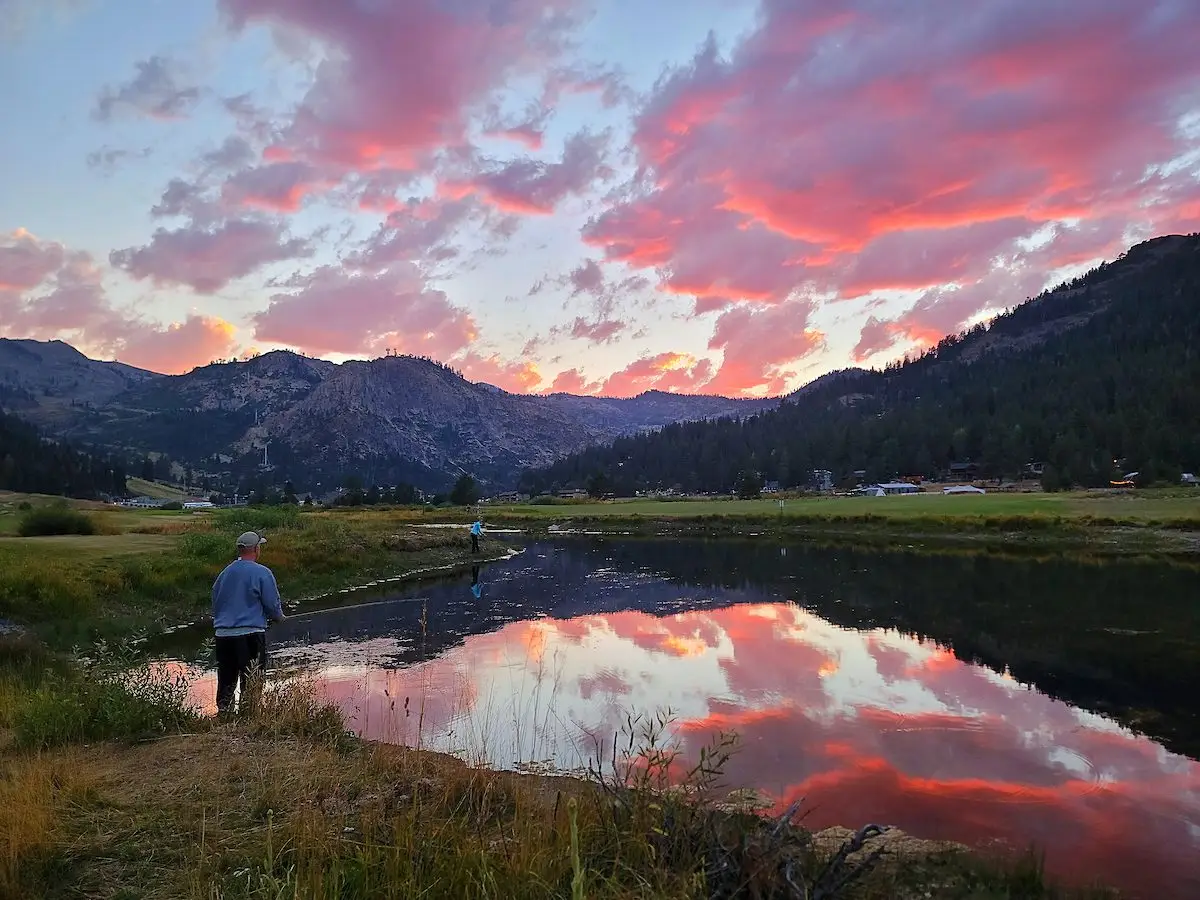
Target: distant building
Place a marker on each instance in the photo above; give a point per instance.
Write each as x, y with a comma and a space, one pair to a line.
198, 504
573, 495
144, 503
1033, 470
962, 471
1189, 478
898, 487
510, 497
822, 480
963, 489
771, 487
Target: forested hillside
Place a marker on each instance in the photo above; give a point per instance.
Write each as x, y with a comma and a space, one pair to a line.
30, 463
1097, 377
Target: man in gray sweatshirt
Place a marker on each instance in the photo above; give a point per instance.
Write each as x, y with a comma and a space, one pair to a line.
244, 598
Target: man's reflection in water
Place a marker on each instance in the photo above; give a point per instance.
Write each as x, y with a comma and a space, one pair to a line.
476, 587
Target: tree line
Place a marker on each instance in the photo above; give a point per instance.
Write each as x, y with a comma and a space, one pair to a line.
29, 463
1084, 384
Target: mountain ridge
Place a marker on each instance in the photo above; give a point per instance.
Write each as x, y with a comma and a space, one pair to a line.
393, 418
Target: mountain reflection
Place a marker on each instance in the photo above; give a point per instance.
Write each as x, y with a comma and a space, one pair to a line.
866, 725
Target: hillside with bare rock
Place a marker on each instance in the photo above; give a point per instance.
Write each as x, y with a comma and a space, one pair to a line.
390, 419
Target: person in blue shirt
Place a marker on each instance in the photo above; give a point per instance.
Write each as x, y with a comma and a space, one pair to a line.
476, 531
245, 598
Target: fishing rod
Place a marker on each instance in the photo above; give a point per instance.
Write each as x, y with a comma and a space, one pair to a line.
333, 609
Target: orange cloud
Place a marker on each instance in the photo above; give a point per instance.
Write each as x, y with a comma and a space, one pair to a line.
573, 381
181, 346
517, 377
668, 371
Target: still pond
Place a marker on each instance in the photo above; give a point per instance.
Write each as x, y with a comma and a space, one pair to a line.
1000, 702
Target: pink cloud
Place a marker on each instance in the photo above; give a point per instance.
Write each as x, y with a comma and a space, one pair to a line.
418, 229
68, 301
572, 381
587, 278
676, 372
532, 187
179, 347
71, 302
1014, 276
847, 148
701, 250
516, 377
603, 332
234, 153
576, 78
365, 109
182, 198
25, 262
277, 187
877, 335
335, 311
377, 190
923, 258
758, 344
528, 134
208, 258
528, 129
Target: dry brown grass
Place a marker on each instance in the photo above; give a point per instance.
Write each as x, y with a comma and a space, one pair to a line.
35, 794
284, 803
180, 816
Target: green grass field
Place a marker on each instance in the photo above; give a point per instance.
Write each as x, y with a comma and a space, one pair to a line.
1146, 507
139, 488
110, 519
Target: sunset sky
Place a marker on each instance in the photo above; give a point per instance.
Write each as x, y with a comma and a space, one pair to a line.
600, 196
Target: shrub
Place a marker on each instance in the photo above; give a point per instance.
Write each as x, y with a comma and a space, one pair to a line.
24, 506
34, 590
210, 546
172, 505
100, 703
260, 519
24, 657
55, 519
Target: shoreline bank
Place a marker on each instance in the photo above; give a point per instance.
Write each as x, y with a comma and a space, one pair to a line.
998, 535
286, 802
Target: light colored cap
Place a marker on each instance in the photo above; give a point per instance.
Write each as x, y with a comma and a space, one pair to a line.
250, 539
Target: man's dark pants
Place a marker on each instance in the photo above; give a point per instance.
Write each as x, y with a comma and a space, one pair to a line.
474, 543
241, 660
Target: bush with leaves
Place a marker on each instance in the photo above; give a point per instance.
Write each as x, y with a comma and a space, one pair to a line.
55, 519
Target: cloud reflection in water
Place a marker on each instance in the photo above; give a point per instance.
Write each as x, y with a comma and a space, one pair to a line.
867, 726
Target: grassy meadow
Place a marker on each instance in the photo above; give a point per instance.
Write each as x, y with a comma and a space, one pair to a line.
112, 786
142, 570
1154, 522
1150, 507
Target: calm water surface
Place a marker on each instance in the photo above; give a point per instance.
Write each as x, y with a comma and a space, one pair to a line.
958, 697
